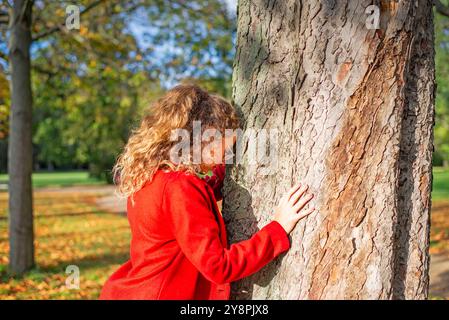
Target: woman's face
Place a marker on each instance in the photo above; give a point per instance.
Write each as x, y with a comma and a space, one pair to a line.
214, 153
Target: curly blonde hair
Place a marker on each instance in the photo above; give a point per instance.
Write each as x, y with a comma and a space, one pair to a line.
148, 147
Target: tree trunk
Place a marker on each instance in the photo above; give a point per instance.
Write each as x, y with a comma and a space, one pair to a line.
20, 147
355, 112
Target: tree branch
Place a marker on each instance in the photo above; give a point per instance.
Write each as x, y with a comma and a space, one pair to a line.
61, 26
441, 8
4, 56
44, 71
4, 16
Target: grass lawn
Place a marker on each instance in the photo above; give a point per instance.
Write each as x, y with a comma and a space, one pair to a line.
440, 184
71, 230
59, 179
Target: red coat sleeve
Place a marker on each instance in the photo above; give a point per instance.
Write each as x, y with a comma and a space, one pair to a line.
187, 205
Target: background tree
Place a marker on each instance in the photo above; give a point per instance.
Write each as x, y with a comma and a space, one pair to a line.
20, 158
356, 108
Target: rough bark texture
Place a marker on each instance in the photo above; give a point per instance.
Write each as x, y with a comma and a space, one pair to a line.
355, 113
20, 145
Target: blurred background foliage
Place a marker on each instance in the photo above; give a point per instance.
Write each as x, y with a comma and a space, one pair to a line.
91, 85
441, 155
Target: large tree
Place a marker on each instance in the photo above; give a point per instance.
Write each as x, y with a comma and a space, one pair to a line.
355, 109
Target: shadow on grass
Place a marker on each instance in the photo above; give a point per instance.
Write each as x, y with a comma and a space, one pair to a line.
440, 205
84, 264
90, 262
66, 214
440, 286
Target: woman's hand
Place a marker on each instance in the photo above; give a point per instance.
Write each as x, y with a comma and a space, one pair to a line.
291, 207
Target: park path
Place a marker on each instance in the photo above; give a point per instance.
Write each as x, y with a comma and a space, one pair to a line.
105, 196
107, 200
439, 276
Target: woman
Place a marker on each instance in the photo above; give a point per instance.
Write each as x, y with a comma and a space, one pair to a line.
179, 247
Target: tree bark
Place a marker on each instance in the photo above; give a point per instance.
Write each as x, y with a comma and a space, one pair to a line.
20, 142
355, 113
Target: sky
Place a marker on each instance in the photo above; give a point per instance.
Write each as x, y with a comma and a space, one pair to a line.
232, 5
139, 26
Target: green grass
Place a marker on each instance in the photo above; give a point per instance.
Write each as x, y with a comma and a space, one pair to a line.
59, 179
440, 184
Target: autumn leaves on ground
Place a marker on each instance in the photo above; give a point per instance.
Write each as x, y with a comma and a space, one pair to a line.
439, 242
70, 229
73, 226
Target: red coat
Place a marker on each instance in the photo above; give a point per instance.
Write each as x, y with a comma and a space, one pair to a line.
179, 247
